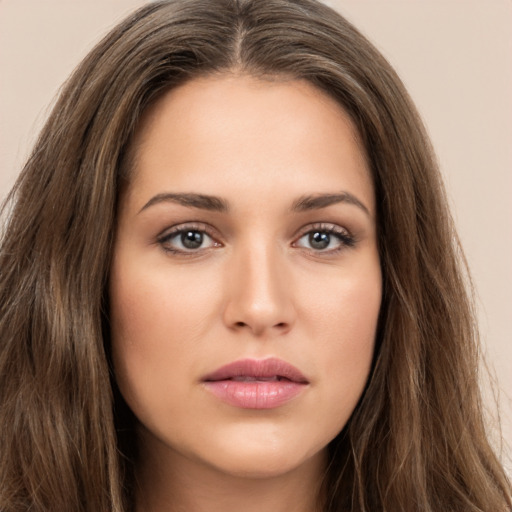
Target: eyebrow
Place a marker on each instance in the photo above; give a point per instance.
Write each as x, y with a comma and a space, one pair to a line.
217, 204
201, 201
318, 201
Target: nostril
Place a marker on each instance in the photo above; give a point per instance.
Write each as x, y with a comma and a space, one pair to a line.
280, 325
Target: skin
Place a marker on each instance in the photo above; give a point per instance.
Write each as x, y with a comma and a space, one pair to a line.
255, 288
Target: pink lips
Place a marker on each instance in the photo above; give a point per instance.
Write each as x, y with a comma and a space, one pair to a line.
256, 384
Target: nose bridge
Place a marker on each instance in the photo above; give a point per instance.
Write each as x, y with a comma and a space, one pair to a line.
259, 295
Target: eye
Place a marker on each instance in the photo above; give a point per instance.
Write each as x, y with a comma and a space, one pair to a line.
326, 238
187, 239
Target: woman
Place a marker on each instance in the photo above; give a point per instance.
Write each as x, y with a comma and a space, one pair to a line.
230, 280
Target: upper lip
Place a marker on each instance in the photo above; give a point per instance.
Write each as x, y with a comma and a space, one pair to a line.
257, 368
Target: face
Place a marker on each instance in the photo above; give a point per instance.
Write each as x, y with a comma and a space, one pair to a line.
245, 285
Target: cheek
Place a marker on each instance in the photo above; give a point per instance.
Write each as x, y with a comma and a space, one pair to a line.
346, 308
151, 304
345, 319
156, 322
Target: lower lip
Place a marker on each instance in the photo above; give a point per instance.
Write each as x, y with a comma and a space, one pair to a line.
255, 394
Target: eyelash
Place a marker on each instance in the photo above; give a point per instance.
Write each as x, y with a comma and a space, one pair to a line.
345, 238
204, 229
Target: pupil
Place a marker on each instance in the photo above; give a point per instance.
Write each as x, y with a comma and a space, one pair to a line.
192, 239
319, 240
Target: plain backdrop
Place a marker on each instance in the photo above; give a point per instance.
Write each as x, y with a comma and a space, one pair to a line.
455, 57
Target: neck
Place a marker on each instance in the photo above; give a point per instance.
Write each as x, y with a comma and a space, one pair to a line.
171, 482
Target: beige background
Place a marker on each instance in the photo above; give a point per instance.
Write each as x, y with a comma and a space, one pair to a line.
455, 56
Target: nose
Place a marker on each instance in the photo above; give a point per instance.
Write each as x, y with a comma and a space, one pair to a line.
259, 293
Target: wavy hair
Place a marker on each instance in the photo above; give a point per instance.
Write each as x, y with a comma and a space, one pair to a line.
416, 440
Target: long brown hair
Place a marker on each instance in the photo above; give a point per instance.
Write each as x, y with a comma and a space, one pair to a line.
416, 440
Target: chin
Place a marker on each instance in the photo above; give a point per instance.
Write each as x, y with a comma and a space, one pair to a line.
265, 456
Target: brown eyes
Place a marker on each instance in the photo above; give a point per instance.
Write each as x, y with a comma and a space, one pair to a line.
192, 239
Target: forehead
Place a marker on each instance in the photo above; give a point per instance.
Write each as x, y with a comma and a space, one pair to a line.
216, 132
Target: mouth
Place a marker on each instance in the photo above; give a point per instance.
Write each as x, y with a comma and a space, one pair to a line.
251, 378
256, 384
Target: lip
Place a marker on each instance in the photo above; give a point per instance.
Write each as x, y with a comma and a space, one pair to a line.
256, 384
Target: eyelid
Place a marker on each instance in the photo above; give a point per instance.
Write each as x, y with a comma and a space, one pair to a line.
201, 227
192, 226
346, 238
